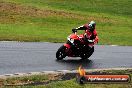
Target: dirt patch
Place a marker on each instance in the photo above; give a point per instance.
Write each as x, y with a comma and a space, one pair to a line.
12, 12
17, 9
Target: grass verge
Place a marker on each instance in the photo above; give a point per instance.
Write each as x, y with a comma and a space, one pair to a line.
52, 20
60, 81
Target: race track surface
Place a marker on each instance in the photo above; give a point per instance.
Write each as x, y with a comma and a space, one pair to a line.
20, 57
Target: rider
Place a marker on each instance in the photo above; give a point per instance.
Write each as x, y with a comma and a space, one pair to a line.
90, 34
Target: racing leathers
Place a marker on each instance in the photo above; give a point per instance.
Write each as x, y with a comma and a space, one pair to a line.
90, 35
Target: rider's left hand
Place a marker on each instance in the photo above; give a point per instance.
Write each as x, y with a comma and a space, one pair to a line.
90, 41
74, 30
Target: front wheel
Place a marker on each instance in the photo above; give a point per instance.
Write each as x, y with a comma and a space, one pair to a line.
60, 54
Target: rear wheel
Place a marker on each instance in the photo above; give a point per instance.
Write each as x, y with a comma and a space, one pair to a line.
90, 52
60, 54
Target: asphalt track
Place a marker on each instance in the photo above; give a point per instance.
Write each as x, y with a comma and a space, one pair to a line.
21, 57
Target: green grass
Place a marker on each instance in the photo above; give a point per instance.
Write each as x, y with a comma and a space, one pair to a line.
119, 7
73, 84
52, 20
23, 80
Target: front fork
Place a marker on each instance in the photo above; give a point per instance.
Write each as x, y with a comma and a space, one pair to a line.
68, 46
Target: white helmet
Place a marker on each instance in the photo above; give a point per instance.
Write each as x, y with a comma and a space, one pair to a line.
92, 25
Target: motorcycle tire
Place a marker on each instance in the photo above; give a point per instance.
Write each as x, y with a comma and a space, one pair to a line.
60, 54
89, 54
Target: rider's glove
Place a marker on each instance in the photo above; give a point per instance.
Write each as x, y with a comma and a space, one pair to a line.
74, 30
90, 41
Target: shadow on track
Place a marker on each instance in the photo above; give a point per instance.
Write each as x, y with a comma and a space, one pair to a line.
74, 64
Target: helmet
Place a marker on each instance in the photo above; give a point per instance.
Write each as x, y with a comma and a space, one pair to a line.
92, 25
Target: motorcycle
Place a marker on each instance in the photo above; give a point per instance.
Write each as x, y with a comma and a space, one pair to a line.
76, 46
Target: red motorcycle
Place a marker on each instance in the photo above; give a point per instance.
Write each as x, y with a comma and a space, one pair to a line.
76, 46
